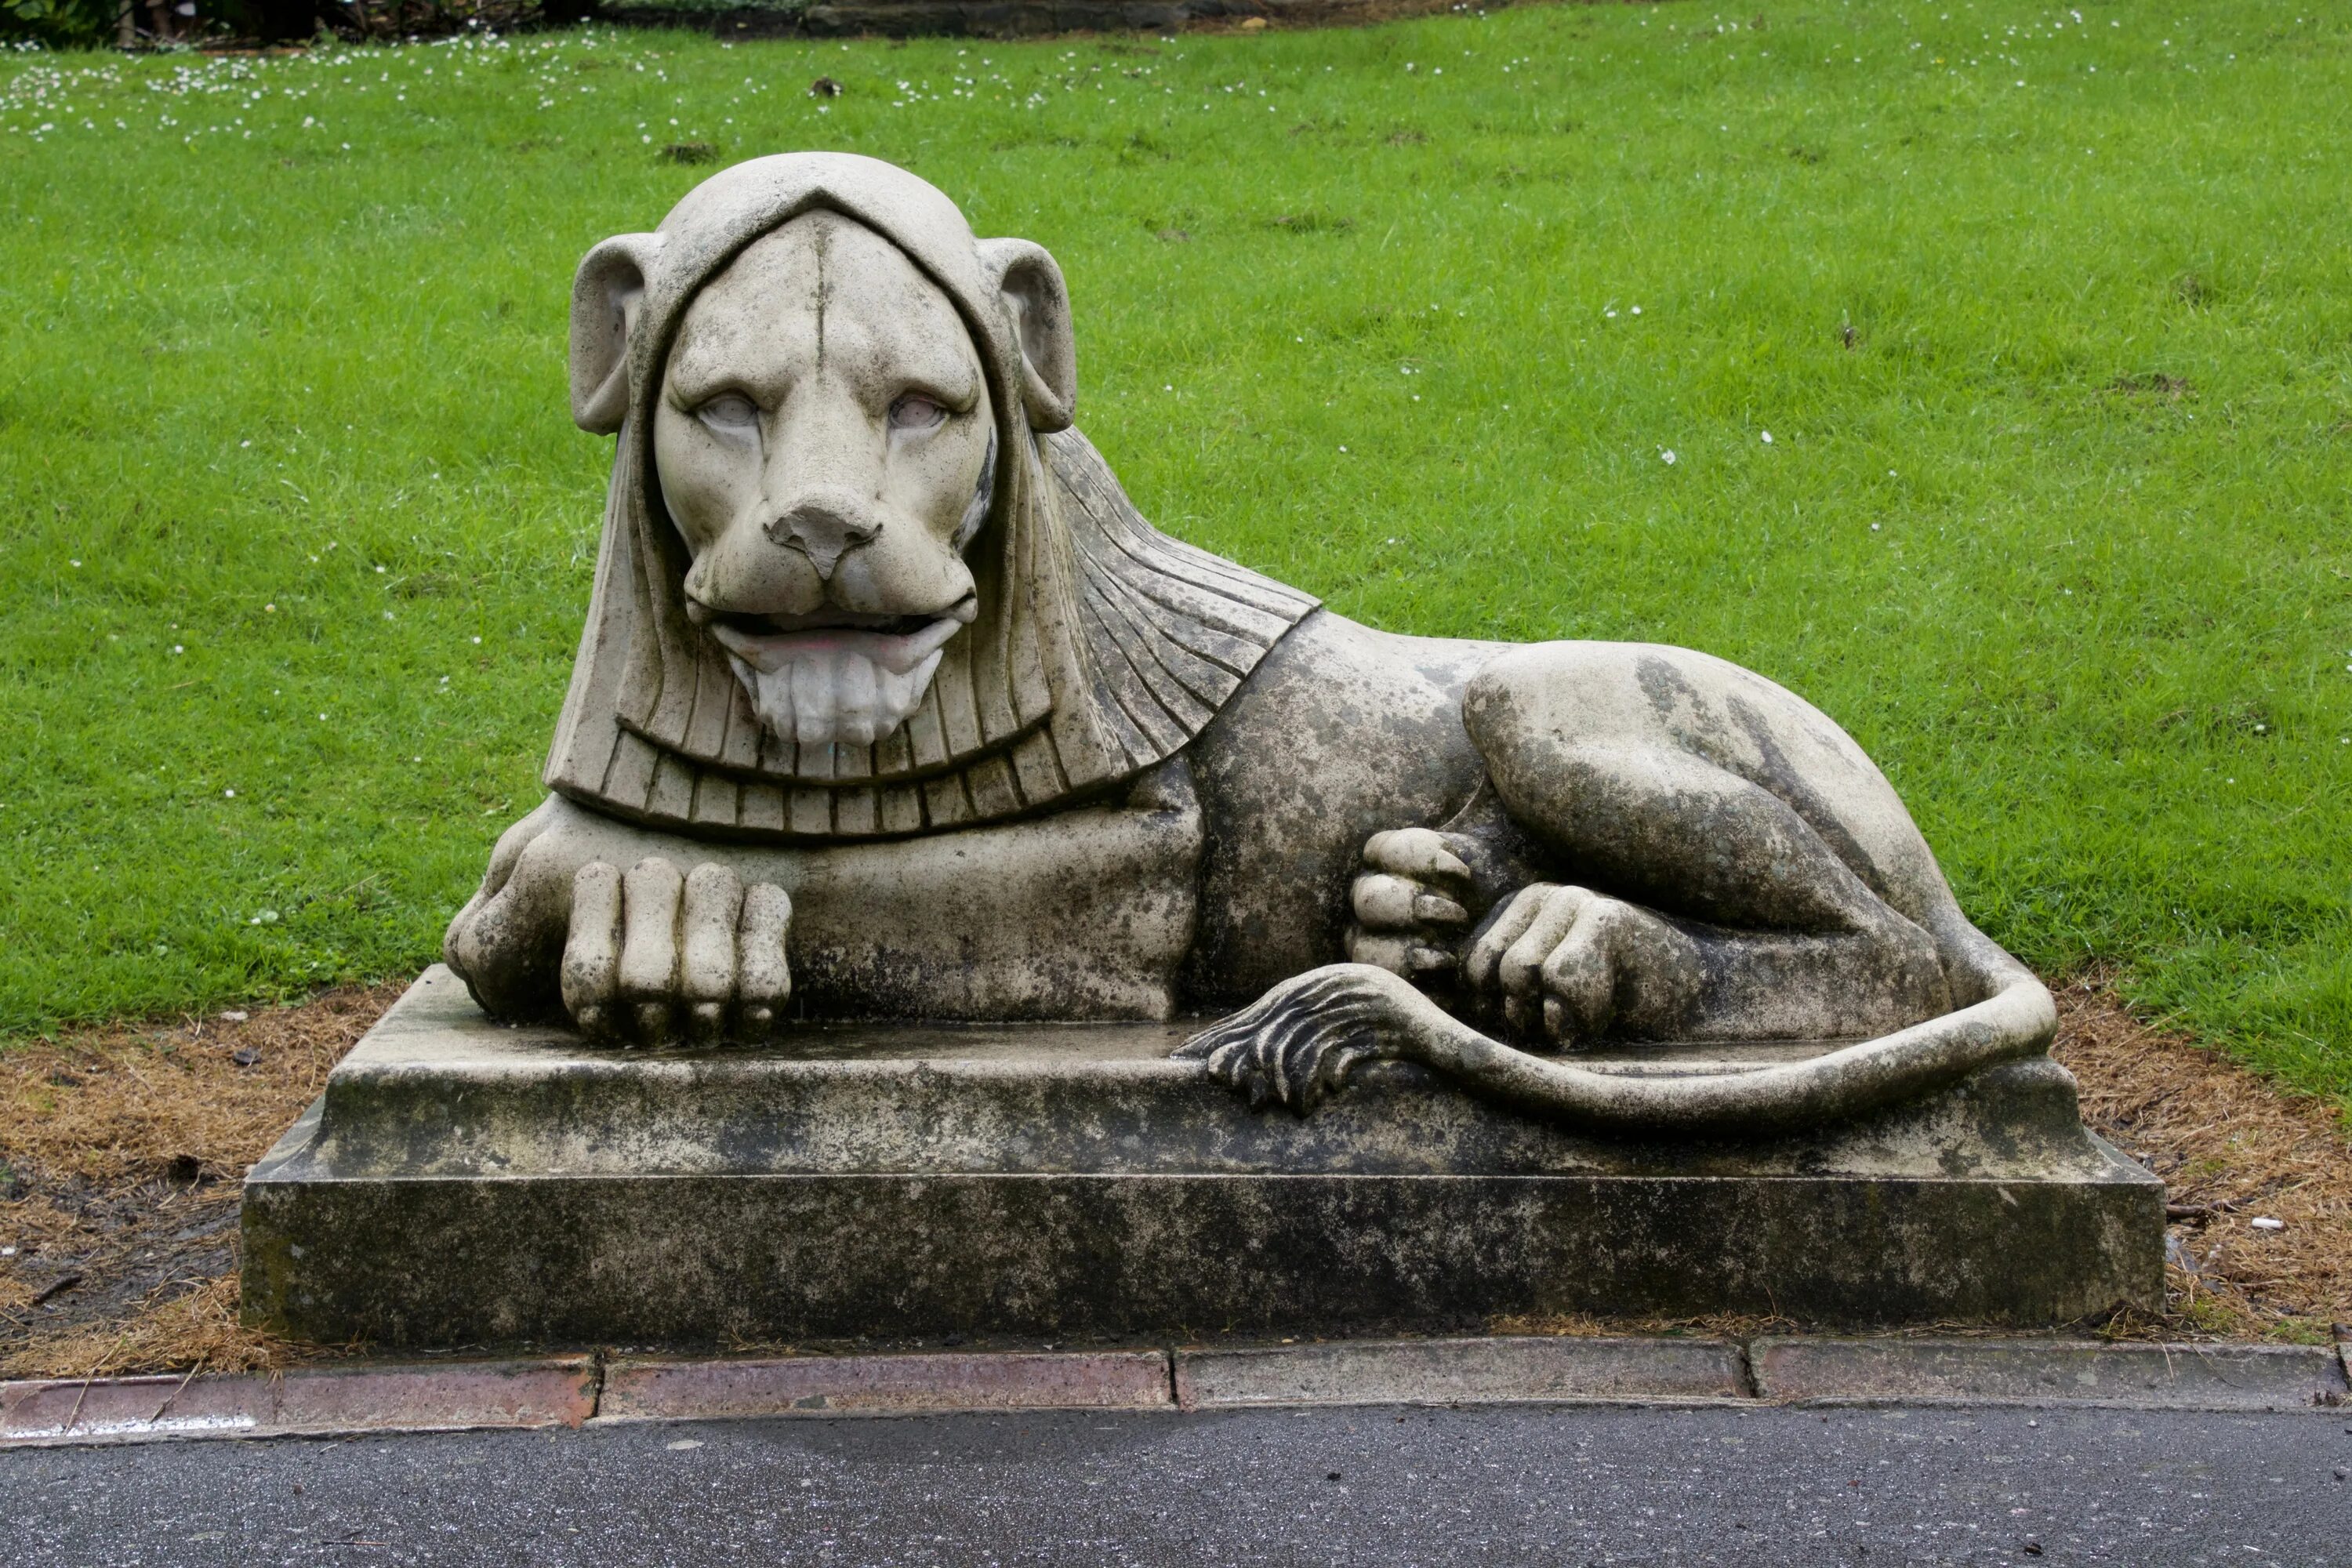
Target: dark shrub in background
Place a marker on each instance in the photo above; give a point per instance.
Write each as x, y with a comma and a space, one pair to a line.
63, 23
130, 23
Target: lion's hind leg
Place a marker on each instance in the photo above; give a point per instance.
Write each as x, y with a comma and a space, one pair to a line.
1769, 865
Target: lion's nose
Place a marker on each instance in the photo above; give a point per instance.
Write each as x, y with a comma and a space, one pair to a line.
823, 530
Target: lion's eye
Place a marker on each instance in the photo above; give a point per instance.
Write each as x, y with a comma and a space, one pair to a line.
731, 414
916, 412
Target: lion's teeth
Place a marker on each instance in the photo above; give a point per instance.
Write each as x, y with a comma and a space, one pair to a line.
889, 692
854, 685
919, 681
825, 695
813, 698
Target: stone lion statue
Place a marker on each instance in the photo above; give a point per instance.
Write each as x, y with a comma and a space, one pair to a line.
890, 704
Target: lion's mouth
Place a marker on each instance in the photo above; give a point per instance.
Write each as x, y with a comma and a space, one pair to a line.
747, 625
836, 676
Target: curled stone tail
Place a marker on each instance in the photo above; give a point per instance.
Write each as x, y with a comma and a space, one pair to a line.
1298, 1042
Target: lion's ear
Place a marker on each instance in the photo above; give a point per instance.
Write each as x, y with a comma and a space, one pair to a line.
1031, 286
605, 294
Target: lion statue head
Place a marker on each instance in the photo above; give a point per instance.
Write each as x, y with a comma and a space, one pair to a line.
859, 574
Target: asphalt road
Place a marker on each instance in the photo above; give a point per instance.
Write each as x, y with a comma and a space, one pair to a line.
1490, 1486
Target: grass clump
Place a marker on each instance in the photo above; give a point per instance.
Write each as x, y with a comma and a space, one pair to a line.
2042, 313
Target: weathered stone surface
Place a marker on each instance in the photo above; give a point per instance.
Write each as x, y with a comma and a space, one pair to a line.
887, 684
2010, 1372
639, 1389
1461, 1372
464, 1182
560, 1392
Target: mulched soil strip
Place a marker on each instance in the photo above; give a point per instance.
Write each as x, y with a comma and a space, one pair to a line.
2234, 1151
121, 1149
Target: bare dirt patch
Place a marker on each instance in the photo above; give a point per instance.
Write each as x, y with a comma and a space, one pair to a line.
121, 1150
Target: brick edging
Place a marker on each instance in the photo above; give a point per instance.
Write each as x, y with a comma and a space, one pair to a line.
415, 1396
580, 1390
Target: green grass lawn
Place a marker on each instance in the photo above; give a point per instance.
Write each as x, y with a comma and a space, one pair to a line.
1473, 326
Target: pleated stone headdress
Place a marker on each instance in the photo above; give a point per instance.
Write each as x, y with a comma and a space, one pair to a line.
1101, 647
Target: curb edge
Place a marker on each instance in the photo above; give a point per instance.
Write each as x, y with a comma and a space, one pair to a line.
605, 1390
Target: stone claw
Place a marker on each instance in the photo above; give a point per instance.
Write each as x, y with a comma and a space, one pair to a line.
652, 954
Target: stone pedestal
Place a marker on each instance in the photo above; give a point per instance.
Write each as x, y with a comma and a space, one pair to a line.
462, 1182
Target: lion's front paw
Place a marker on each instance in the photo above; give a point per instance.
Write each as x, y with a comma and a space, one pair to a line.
1566, 965
1299, 1041
1408, 905
651, 950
